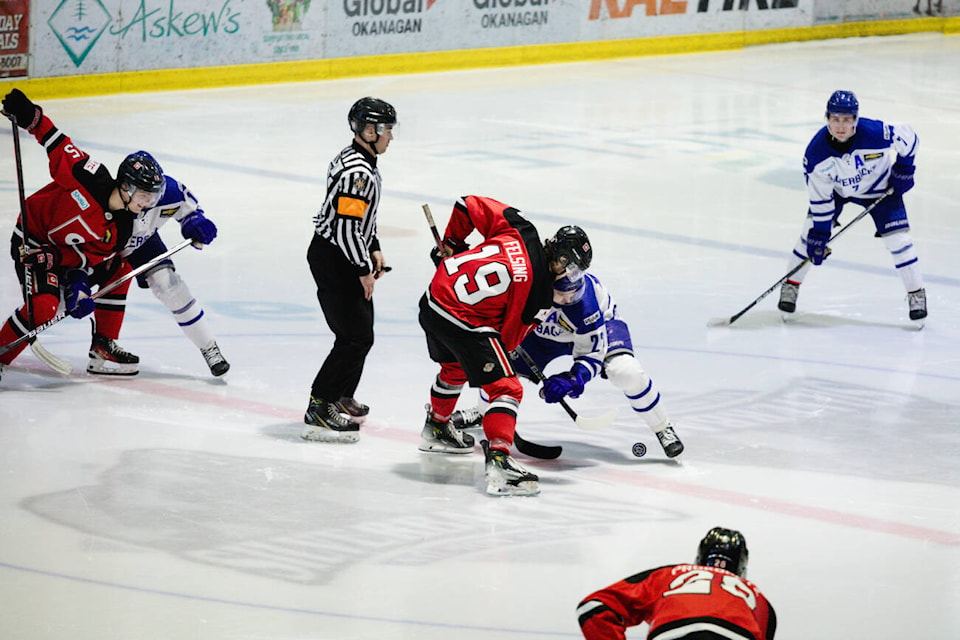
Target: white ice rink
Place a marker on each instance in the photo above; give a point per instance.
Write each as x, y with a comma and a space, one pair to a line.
175, 505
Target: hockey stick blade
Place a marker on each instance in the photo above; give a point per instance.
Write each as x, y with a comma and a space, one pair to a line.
584, 422
719, 322
534, 450
55, 363
593, 423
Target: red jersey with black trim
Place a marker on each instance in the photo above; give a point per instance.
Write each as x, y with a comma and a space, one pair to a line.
503, 282
678, 600
72, 213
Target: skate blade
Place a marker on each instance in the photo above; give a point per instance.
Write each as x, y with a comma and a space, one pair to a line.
319, 434
433, 447
526, 489
106, 368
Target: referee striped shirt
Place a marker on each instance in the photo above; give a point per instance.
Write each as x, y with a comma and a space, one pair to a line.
348, 218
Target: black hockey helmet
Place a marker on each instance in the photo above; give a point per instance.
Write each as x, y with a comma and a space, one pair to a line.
570, 246
724, 549
371, 111
140, 172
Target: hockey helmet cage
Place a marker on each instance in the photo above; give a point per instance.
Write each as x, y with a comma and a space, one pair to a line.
569, 289
371, 111
724, 549
139, 171
570, 246
843, 102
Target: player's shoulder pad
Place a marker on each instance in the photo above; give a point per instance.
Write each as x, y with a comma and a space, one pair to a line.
818, 150
643, 575
872, 134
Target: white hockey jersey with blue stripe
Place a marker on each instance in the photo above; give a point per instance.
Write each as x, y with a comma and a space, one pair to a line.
860, 171
583, 323
176, 204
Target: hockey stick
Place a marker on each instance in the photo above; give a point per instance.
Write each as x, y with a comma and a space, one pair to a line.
534, 450
585, 423
719, 322
59, 365
27, 271
433, 227
100, 293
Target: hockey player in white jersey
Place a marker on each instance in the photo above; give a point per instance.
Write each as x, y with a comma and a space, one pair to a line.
853, 159
145, 244
584, 323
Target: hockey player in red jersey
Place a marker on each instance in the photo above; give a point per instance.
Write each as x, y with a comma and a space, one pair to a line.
479, 306
70, 236
708, 600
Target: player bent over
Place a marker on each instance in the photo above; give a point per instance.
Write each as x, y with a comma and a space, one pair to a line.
710, 599
478, 307
179, 204
68, 239
857, 160
584, 322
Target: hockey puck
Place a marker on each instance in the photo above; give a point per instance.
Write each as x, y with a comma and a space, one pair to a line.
639, 449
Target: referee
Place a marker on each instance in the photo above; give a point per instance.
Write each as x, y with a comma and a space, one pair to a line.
345, 260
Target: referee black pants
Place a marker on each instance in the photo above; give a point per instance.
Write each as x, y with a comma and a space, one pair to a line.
349, 316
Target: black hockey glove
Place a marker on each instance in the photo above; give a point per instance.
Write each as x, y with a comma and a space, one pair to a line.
43, 258
25, 113
454, 246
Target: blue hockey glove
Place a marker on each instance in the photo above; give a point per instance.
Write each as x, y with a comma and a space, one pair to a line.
198, 228
566, 384
817, 245
77, 283
26, 114
901, 177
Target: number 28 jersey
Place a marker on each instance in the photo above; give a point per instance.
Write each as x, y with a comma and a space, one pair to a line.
678, 600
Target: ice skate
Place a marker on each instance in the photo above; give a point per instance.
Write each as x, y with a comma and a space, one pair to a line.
443, 437
670, 441
326, 424
788, 297
109, 359
356, 411
215, 360
918, 304
505, 476
467, 418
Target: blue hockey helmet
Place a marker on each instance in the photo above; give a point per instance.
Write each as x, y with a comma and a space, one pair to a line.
843, 102
569, 288
724, 549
